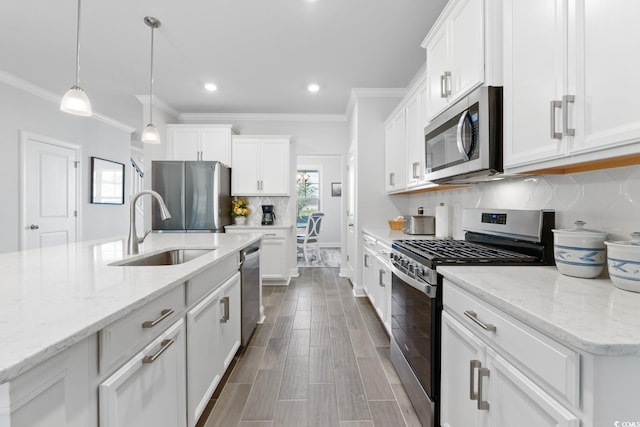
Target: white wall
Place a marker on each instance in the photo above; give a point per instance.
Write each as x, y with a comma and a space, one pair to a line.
24, 111
608, 199
330, 171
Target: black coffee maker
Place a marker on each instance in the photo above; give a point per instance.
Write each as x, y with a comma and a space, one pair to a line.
268, 216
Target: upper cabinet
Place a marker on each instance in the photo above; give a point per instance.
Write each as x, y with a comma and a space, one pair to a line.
567, 91
260, 165
404, 141
462, 52
200, 142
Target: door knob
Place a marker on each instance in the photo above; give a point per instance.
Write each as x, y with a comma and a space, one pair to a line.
34, 226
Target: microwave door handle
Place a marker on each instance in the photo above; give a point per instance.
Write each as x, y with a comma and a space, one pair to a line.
463, 152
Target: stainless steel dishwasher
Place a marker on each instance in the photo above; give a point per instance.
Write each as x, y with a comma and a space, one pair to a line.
250, 277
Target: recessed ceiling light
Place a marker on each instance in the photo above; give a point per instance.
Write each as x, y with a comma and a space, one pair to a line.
313, 88
211, 87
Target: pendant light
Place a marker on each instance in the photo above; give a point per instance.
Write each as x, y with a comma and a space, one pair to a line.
150, 133
75, 101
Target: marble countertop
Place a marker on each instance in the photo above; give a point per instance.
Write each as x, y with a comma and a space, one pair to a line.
588, 314
54, 297
388, 235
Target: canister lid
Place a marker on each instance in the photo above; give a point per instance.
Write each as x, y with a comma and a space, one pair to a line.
579, 229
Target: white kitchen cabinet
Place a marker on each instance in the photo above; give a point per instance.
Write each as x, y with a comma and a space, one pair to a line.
481, 388
260, 165
213, 338
58, 392
369, 272
149, 390
414, 136
578, 109
200, 142
457, 48
275, 249
395, 175
376, 277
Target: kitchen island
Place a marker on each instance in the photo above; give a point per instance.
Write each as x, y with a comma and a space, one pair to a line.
529, 340
58, 299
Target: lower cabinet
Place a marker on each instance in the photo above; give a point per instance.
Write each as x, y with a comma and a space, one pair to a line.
149, 390
275, 250
481, 388
213, 328
376, 278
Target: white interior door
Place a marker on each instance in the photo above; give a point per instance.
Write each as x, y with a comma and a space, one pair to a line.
49, 193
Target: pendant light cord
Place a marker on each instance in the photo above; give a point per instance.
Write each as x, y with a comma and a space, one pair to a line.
151, 81
78, 47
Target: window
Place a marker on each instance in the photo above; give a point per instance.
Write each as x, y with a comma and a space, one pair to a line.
308, 195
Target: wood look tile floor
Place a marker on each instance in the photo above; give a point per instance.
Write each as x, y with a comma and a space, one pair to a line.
321, 359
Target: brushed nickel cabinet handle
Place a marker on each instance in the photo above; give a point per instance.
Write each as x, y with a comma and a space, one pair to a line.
381, 273
474, 318
483, 405
163, 315
225, 305
442, 88
473, 365
566, 99
366, 260
553, 106
163, 346
447, 84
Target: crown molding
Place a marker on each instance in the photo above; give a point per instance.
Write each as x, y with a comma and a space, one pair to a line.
372, 93
24, 85
203, 117
159, 103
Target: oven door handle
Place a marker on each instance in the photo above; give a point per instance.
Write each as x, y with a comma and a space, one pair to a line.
425, 288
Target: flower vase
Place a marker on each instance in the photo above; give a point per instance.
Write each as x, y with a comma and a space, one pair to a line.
240, 220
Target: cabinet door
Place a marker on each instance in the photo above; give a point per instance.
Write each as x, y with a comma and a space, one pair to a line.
368, 274
184, 142
415, 139
535, 55
216, 145
395, 153
437, 65
516, 401
204, 353
466, 47
460, 349
273, 259
149, 390
275, 167
245, 167
230, 319
383, 306
606, 33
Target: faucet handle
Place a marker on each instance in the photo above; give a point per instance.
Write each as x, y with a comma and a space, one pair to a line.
146, 233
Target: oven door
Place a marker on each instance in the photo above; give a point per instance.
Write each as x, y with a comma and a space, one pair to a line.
416, 310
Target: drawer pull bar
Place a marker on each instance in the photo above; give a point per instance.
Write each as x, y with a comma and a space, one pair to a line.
473, 364
483, 405
225, 305
474, 317
163, 346
163, 315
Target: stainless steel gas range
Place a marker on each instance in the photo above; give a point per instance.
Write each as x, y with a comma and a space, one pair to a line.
492, 237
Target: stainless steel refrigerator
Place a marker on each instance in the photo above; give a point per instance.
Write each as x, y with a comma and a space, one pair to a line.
198, 195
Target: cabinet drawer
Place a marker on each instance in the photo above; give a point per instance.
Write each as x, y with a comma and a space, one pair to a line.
204, 283
275, 234
123, 338
552, 364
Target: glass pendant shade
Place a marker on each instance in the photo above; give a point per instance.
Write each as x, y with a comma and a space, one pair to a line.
150, 134
76, 101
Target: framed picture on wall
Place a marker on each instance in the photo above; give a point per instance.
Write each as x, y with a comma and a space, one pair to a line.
336, 189
107, 182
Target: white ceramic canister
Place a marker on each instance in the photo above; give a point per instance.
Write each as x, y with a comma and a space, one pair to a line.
579, 252
623, 260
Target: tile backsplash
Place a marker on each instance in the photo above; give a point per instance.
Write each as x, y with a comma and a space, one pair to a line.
281, 206
607, 199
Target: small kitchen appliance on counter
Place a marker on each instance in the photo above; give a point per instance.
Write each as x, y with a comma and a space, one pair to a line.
492, 237
419, 224
268, 216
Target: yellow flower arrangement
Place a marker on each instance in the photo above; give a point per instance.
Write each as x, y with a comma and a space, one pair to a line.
240, 207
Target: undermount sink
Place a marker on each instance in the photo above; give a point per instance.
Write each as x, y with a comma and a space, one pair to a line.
168, 257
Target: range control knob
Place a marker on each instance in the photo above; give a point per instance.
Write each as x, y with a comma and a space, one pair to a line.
412, 268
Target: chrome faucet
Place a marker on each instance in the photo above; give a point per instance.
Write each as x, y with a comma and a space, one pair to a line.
134, 240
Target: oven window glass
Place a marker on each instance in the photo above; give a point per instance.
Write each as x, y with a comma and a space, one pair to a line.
413, 327
443, 147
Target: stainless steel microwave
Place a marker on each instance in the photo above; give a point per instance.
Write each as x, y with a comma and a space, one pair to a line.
464, 143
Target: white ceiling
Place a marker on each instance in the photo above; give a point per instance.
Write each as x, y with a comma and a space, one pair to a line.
262, 54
